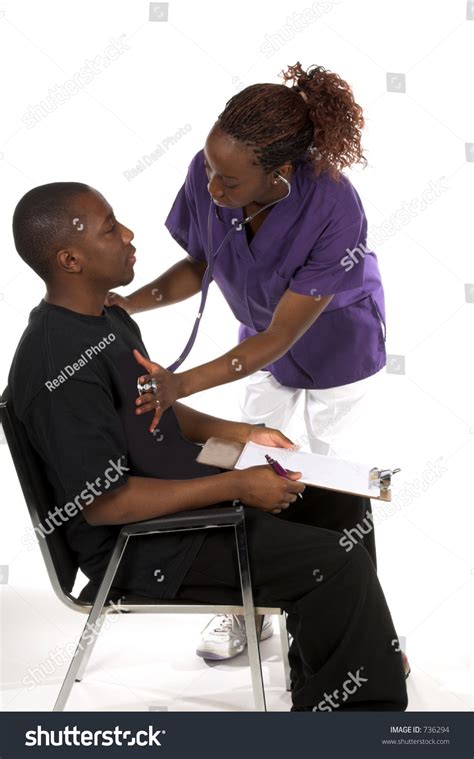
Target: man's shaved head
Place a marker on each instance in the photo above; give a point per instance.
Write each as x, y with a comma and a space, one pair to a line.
44, 221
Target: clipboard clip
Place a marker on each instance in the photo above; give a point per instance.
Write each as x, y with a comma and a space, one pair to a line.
381, 478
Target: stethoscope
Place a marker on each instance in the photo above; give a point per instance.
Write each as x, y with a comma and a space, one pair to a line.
237, 226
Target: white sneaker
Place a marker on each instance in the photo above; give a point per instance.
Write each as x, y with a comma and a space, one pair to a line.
224, 636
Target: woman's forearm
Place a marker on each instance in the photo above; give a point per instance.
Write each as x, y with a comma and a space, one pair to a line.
180, 281
291, 318
249, 356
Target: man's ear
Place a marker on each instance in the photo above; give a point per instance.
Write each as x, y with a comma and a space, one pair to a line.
68, 260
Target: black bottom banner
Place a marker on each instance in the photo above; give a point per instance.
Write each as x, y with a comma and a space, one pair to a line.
237, 735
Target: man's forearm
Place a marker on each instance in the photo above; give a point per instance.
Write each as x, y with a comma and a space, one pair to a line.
199, 427
147, 498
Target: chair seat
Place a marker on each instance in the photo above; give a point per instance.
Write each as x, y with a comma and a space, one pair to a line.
89, 592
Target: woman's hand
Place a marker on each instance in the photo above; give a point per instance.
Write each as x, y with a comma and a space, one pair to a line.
270, 437
114, 299
166, 393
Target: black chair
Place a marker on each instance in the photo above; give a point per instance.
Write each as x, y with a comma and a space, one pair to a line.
62, 566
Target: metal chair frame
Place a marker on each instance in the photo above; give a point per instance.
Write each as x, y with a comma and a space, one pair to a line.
57, 555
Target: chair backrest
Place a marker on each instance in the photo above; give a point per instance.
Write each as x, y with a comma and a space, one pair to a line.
60, 561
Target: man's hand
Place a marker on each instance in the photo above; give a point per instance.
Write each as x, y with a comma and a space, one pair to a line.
167, 392
267, 491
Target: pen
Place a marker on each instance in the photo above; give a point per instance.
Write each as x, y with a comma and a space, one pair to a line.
278, 469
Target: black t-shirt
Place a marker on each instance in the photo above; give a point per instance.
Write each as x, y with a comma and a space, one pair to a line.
74, 382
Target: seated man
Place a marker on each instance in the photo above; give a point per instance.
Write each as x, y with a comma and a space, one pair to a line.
73, 382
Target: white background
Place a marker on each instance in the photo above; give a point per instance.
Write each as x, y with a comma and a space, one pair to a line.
180, 71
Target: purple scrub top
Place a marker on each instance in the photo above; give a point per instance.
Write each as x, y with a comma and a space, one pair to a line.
313, 243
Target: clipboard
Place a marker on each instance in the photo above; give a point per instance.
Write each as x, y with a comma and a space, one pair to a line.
343, 477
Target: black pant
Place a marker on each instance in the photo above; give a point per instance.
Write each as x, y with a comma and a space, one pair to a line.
344, 649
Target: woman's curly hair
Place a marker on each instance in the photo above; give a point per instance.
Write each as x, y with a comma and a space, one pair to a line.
316, 119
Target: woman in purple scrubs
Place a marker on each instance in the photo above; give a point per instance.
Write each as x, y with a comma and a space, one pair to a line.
298, 276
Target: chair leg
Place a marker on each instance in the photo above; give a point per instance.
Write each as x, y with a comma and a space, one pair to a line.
85, 654
249, 615
284, 648
92, 626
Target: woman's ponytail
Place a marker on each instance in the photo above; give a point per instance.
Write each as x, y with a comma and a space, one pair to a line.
337, 119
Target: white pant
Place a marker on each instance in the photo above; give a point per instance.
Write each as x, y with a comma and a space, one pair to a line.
339, 420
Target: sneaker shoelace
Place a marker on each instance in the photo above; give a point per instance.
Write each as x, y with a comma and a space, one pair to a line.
224, 626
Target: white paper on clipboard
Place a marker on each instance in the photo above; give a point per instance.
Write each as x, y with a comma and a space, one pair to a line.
321, 471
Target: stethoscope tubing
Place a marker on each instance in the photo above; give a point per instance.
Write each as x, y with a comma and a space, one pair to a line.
237, 226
